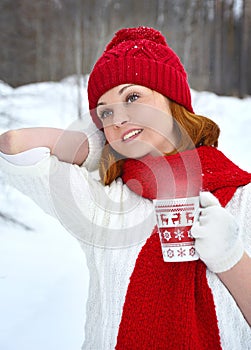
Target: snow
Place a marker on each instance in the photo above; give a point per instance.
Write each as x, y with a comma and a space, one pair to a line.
43, 273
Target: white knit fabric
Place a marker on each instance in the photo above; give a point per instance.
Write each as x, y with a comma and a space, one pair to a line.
96, 141
29, 157
112, 224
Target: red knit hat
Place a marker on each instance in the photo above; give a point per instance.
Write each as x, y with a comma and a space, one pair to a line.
140, 56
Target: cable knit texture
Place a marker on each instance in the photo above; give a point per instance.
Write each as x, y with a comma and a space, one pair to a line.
205, 168
170, 305
96, 142
139, 56
110, 269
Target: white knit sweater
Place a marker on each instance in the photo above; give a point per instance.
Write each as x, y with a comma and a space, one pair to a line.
112, 224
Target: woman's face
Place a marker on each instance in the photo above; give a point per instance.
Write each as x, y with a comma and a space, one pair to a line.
137, 121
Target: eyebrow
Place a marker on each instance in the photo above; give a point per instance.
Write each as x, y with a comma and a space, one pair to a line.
120, 92
124, 88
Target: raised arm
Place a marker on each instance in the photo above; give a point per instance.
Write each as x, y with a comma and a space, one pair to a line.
68, 145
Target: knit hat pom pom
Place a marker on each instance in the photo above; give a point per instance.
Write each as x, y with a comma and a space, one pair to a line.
136, 34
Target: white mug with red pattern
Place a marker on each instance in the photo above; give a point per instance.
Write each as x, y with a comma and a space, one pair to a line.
175, 218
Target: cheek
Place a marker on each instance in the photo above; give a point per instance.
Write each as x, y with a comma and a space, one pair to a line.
107, 133
152, 117
110, 134
161, 124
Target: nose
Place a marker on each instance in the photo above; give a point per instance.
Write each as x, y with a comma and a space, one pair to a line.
120, 116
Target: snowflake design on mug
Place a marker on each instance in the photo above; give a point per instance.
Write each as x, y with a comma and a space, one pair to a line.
170, 253
181, 252
189, 235
179, 234
192, 251
167, 235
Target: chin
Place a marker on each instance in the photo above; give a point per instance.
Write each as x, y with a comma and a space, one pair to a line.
135, 155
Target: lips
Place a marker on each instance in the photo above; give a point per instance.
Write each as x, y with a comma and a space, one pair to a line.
131, 134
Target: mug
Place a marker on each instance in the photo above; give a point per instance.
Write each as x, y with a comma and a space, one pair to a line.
175, 218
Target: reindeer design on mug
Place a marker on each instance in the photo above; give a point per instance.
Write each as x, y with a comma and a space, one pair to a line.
175, 219
189, 217
164, 220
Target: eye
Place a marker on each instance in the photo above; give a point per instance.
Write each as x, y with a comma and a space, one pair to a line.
105, 114
132, 97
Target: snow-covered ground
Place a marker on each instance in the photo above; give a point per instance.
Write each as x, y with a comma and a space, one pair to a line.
43, 274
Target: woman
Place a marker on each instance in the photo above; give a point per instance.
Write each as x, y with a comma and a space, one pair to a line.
140, 99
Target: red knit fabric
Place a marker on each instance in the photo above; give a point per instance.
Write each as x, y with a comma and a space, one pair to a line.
170, 305
139, 56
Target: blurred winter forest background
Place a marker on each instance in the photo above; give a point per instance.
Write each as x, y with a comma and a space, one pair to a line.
46, 40
48, 48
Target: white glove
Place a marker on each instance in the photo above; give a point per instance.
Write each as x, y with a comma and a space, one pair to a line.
216, 235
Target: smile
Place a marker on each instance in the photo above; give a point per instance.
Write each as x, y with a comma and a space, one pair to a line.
131, 134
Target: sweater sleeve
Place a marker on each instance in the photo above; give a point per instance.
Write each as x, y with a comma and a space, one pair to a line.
241, 209
96, 141
234, 329
105, 216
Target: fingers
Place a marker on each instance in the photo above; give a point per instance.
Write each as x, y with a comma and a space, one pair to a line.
196, 230
207, 199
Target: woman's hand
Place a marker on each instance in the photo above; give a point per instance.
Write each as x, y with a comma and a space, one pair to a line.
67, 145
216, 233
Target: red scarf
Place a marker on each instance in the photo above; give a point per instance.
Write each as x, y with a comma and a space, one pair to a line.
170, 305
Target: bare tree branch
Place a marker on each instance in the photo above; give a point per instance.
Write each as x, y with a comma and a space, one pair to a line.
7, 218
